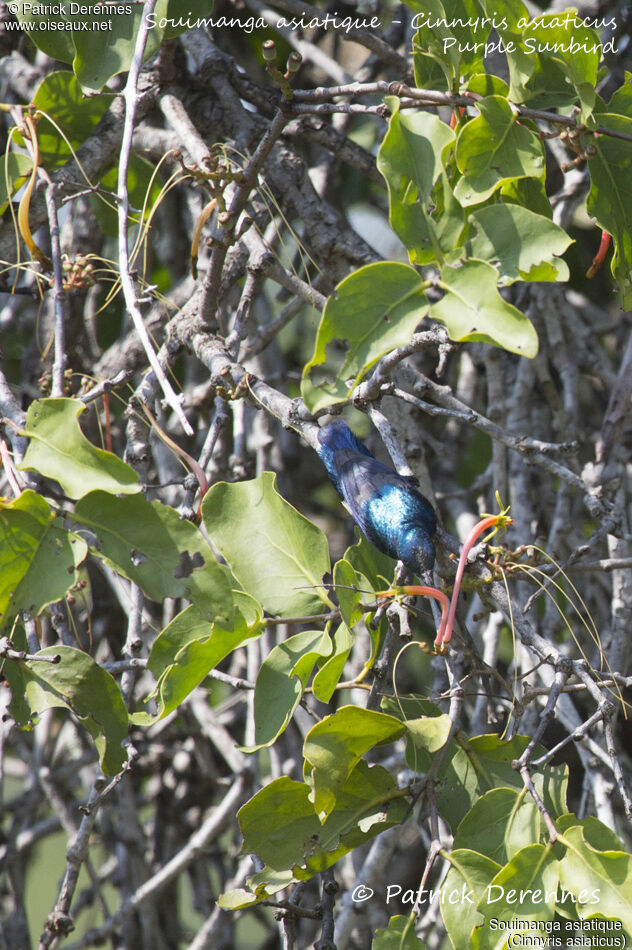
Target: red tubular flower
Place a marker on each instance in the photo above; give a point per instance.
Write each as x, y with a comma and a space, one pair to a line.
489, 521
415, 590
600, 255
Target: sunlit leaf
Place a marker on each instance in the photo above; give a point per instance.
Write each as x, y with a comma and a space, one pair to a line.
59, 449
79, 684
472, 309
334, 746
149, 544
276, 554
38, 556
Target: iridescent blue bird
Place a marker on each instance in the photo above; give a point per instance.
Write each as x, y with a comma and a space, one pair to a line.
387, 507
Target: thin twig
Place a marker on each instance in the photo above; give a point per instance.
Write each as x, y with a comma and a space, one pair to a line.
127, 284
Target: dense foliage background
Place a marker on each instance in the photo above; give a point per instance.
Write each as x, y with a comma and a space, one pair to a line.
214, 733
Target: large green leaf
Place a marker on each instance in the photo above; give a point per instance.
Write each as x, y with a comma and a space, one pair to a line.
472, 309
59, 96
47, 32
149, 544
475, 766
280, 826
600, 881
411, 151
500, 823
79, 684
375, 310
464, 886
38, 556
621, 100
107, 47
610, 197
59, 449
411, 160
275, 553
523, 245
522, 892
189, 647
281, 680
596, 834
334, 746
492, 149
567, 57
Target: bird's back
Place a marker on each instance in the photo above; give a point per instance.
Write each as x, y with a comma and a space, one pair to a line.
389, 510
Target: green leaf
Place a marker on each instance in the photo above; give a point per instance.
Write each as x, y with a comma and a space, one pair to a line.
511, 17
368, 803
55, 41
59, 449
500, 823
352, 590
452, 34
399, 935
410, 707
492, 149
280, 683
601, 881
335, 745
107, 47
528, 193
410, 159
610, 197
18, 707
376, 568
189, 647
327, 677
472, 309
190, 625
38, 556
621, 99
237, 899
429, 733
376, 309
368, 571
426, 726
14, 170
524, 245
597, 835
574, 50
149, 544
79, 684
275, 553
475, 766
485, 84
60, 97
464, 886
280, 826
523, 891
